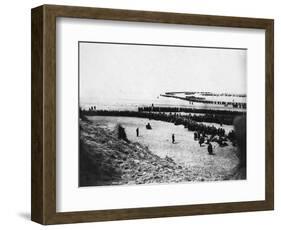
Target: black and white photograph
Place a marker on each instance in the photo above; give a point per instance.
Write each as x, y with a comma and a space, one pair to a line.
161, 114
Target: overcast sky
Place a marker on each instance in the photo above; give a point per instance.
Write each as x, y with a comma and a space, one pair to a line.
116, 72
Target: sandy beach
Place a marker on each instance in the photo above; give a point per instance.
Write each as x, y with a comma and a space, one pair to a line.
195, 160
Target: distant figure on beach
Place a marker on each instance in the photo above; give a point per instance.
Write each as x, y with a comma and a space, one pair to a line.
148, 126
137, 131
173, 138
204, 134
222, 142
201, 140
210, 149
195, 136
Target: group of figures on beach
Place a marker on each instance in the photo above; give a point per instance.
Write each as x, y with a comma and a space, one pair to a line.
201, 140
199, 136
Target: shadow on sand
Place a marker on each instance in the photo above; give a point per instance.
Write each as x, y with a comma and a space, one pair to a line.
25, 215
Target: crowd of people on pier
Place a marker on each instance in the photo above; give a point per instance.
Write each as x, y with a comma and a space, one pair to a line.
160, 109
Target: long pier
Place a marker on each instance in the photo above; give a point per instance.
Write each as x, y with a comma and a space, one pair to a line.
239, 105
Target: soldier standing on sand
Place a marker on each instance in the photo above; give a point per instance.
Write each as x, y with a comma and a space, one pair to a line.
201, 140
173, 138
210, 149
195, 136
137, 131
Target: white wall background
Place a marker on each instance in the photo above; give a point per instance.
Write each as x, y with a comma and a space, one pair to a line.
15, 113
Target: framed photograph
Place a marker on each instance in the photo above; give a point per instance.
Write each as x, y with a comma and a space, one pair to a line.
140, 114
